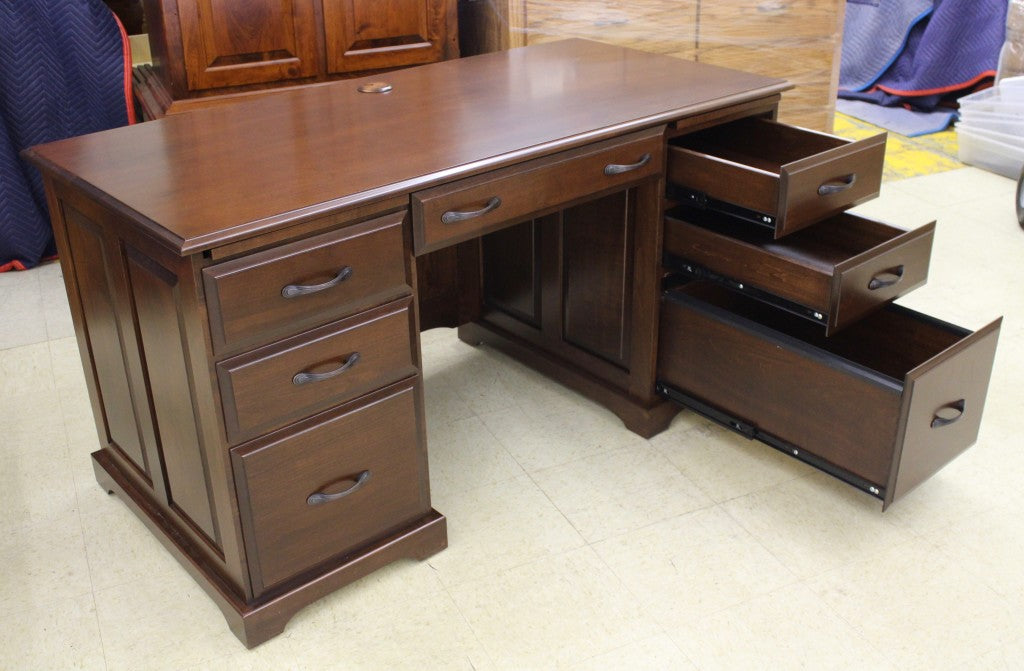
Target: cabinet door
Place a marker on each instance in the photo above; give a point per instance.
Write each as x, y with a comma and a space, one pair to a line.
370, 35
239, 42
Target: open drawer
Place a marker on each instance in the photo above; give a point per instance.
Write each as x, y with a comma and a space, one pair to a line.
833, 273
773, 175
884, 404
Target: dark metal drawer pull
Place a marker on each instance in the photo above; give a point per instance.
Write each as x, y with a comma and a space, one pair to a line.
948, 414
306, 378
454, 216
320, 498
619, 168
293, 290
886, 278
837, 185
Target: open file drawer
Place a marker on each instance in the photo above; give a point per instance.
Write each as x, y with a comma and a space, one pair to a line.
773, 175
832, 273
884, 404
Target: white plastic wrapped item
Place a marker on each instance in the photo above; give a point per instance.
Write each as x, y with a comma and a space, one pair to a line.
1011, 57
985, 150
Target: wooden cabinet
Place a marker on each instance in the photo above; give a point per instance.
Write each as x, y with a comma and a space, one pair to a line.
204, 50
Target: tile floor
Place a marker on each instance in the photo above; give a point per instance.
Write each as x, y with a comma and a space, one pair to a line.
573, 543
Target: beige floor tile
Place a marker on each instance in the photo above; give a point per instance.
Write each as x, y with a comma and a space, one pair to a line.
955, 186
552, 612
919, 607
498, 527
989, 545
56, 312
66, 364
620, 491
789, 628
544, 441
52, 633
42, 563
816, 523
418, 633
21, 304
119, 546
657, 653
36, 481
23, 369
161, 621
1009, 657
691, 566
724, 464
465, 455
442, 401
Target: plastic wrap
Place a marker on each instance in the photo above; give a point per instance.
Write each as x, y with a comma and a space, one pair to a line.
1011, 57
797, 40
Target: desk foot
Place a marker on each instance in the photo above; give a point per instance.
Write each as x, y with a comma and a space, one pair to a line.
645, 417
259, 620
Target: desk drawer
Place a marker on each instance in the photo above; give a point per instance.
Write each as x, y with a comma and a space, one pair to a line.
833, 273
307, 282
274, 385
776, 176
468, 208
333, 485
884, 404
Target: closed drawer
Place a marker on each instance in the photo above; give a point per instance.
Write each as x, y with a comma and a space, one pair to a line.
297, 377
832, 273
884, 404
468, 208
331, 486
776, 176
305, 283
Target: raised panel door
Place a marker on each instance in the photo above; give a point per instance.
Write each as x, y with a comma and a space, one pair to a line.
371, 35
236, 42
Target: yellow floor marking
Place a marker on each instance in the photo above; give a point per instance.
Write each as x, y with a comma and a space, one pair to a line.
906, 156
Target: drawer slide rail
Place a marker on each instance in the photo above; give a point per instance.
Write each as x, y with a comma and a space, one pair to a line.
695, 271
702, 201
753, 433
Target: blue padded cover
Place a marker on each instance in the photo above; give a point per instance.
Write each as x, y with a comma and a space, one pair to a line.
62, 73
874, 34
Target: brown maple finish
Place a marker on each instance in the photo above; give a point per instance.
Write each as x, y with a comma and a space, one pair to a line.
248, 287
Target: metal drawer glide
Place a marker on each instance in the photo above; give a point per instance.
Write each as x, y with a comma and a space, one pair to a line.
695, 271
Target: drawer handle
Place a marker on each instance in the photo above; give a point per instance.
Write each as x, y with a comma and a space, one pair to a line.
948, 414
320, 498
886, 278
837, 185
293, 290
306, 378
455, 216
619, 168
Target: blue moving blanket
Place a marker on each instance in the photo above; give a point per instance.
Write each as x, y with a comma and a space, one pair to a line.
63, 73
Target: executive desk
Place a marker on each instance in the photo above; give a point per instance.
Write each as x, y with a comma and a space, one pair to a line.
247, 288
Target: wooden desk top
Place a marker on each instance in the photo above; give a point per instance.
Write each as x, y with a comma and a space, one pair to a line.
223, 174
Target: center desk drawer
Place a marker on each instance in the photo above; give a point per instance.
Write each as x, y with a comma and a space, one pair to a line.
274, 385
471, 207
833, 273
883, 404
306, 283
776, 176
332, 486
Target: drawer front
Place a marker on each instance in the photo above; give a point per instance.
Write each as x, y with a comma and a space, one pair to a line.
274, 385
889, 401
468, 208
943, 409
328, 489
775, 176
307, 282
836, 271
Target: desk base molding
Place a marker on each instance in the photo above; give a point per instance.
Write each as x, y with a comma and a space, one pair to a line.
258, 621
